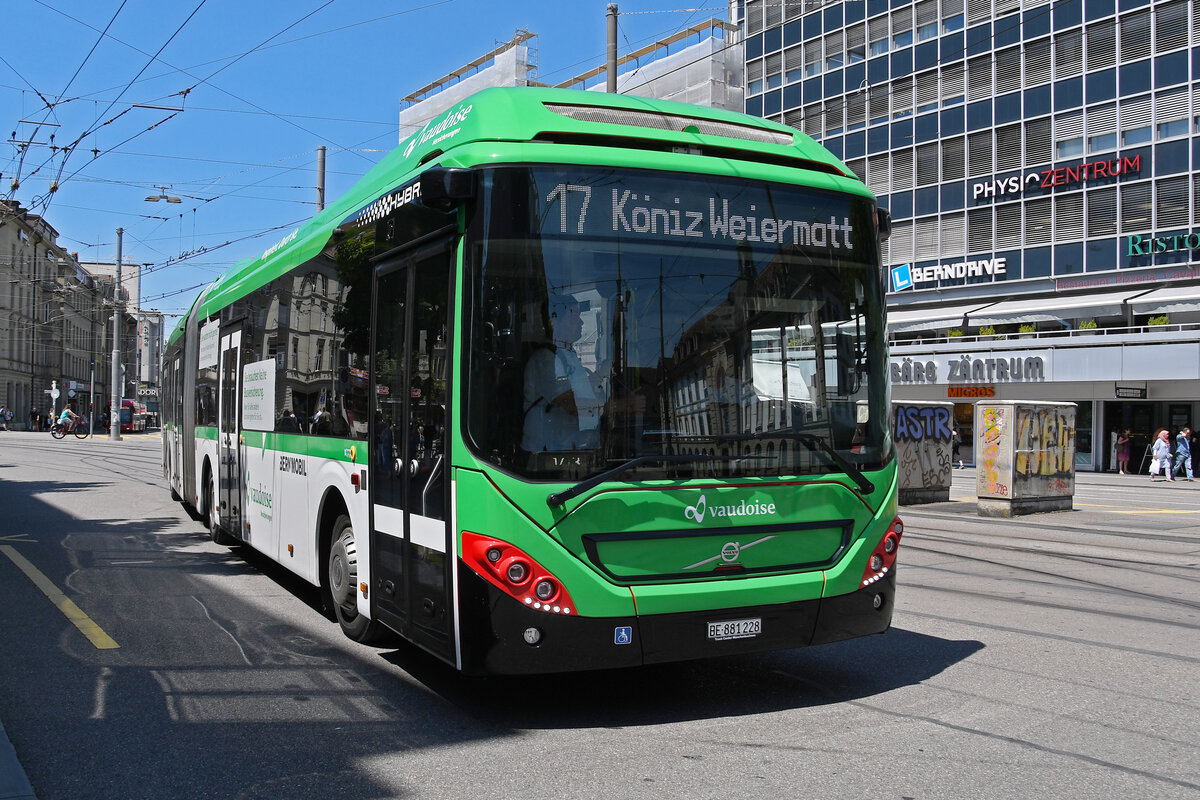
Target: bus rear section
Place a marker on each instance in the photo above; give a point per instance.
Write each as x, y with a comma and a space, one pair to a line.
133, 416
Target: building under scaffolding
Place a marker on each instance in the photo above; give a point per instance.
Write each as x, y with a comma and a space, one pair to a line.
708, 72
513, 63
702, 64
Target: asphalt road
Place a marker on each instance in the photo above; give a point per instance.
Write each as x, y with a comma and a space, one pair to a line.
1050, 655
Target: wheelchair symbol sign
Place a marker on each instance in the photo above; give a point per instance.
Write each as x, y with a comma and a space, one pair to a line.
623, 635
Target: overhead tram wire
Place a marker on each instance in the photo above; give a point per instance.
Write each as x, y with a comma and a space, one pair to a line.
86, 58
50, 108
70, 149
260, 46
258, 109
11, 193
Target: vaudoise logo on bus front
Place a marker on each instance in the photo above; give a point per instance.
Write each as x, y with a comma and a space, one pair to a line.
431, 130
702, 510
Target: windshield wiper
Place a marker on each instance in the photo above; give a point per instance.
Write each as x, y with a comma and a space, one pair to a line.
821, 446
814, 444
558, 498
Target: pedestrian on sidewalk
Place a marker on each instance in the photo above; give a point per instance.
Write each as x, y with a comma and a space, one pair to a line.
5, 416
1162, 455
955, 447
1124, 447
1183, 452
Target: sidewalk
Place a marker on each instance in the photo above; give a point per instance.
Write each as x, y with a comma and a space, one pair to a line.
13, 783
1101, 478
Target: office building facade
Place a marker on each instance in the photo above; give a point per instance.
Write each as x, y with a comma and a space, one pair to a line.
1040, 163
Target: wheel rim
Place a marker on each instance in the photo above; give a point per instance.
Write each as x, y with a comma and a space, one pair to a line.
343, 572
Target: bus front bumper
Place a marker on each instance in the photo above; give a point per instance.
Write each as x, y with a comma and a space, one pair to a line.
494, 626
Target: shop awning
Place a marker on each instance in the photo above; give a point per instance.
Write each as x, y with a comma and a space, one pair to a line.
902, 320
1055, 307
1167, 299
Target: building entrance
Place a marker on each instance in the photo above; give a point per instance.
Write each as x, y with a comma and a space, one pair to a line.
1142, 419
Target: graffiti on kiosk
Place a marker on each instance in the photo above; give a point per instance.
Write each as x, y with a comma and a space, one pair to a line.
967, 370
993, 432
1045, 448
914, 423
922, 435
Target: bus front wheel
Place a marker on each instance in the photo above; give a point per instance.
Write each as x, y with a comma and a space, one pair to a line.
343, 585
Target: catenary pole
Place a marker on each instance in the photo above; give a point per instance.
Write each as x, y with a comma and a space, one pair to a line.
612, 48
320, 179
114, 412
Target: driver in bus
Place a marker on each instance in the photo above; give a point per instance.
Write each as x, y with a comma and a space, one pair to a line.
562, 398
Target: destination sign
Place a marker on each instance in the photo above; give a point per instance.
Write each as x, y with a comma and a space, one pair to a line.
679, 209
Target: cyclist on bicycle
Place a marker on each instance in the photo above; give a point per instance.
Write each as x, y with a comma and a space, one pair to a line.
67, 419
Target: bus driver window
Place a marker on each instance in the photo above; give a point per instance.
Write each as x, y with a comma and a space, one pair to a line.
562, 398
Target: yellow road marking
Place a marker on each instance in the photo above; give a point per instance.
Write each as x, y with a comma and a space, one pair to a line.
72, 612
1138, 510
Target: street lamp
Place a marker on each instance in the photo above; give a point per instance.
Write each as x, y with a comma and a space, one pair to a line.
154, 198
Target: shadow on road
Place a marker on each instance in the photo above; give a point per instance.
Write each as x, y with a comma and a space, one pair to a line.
723, 687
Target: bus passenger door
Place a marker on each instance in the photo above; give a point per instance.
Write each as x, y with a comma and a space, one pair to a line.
411, 542
229, 478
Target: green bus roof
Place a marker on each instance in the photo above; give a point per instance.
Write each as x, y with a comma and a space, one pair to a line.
530, 116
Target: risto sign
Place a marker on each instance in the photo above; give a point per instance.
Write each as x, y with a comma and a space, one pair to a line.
1150, 244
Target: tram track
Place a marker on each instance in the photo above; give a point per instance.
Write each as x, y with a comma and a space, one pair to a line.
908, 513
95, 456
1056, 577
1179, 571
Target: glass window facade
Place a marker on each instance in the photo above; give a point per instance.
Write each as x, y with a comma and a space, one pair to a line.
1037, 135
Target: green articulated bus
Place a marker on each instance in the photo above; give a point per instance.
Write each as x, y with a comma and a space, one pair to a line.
568, 381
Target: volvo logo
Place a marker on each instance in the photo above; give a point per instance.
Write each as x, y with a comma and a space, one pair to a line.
730, 552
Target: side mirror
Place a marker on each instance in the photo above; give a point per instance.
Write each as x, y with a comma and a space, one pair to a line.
445, 187
883, 222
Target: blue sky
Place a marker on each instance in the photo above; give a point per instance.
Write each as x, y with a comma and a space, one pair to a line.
261, 84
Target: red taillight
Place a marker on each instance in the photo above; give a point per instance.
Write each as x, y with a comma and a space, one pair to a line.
884, 558
513, 572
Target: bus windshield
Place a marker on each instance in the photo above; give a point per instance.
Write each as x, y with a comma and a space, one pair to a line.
615, 315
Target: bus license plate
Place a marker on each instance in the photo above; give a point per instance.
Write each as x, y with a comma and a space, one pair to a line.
734, 629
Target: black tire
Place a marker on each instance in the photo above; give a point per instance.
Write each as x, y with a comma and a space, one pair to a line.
342, 571
57, 431
215, 531
81, 431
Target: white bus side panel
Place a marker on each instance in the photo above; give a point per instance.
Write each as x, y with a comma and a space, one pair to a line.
263, 502
325, 475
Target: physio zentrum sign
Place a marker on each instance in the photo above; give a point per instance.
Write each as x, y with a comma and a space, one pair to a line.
1052, 178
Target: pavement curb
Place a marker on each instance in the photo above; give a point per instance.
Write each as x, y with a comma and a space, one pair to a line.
14, 785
